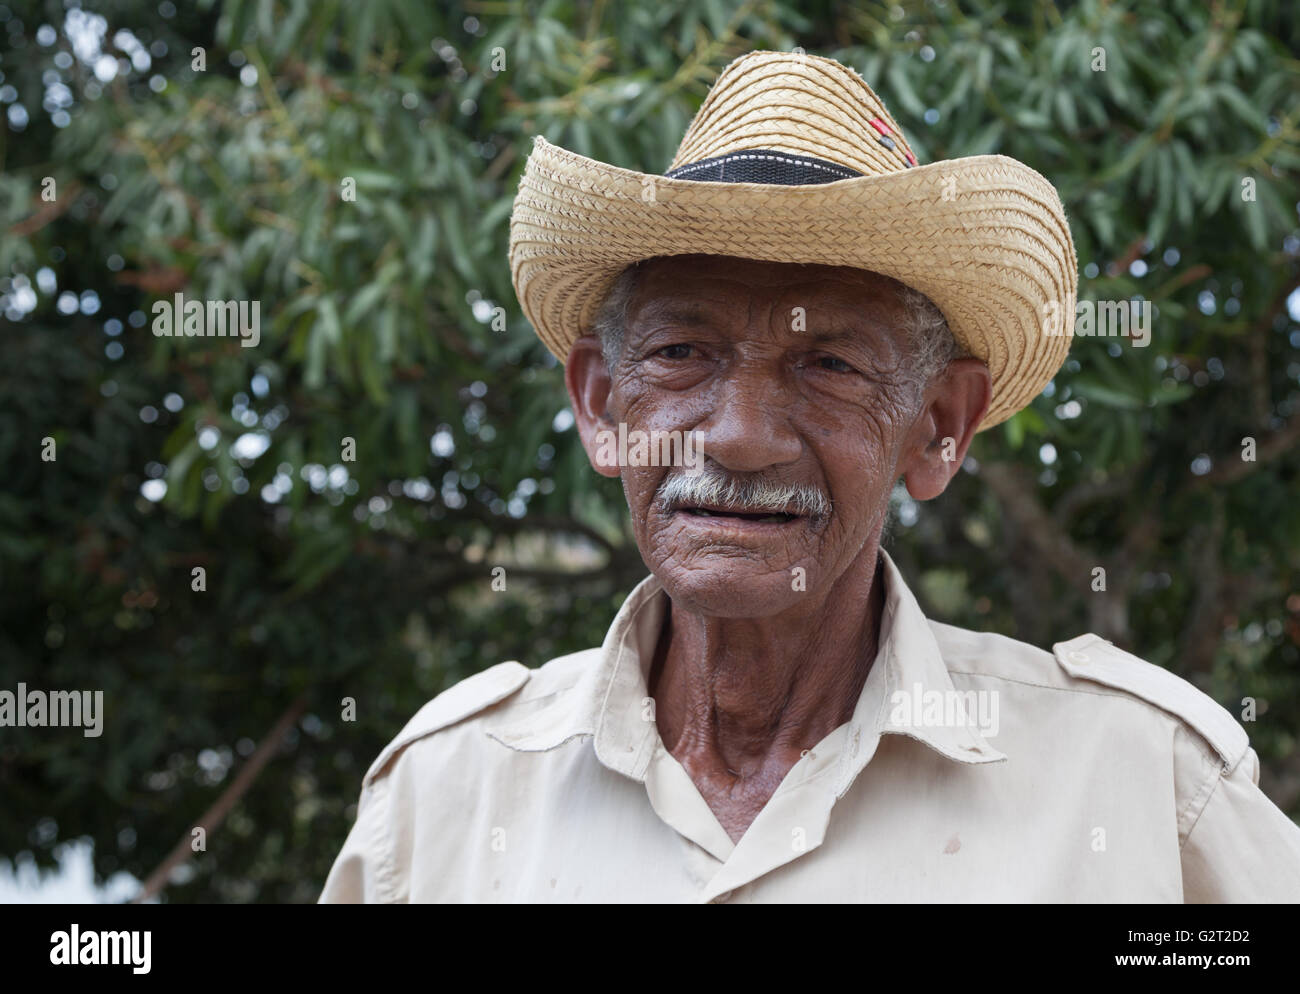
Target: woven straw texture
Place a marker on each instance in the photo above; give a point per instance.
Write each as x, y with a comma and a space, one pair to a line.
984, 237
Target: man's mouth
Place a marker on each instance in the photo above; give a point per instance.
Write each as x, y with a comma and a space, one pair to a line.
762, 517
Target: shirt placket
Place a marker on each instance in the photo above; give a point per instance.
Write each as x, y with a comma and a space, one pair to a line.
791, 824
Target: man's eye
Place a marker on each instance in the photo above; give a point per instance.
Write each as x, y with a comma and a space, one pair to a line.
834, 365
676, 351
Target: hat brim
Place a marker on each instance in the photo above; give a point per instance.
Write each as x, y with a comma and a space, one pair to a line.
984, 237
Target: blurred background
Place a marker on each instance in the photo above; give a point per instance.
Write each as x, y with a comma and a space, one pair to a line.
351, 166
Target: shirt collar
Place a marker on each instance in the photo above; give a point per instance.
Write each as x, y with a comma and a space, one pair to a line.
908, 692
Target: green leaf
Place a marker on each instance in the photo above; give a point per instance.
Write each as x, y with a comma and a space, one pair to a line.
1245, 111
1256, 223
329, 321
387, 334
314, 373
373, 180
985, 141
1106, 396
1014, 429
364, 303
901, 89
1065, 110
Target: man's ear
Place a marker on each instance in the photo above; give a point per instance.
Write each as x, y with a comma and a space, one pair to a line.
953, 406
587, 379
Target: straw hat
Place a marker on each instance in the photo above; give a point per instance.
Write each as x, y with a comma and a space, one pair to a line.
793, 158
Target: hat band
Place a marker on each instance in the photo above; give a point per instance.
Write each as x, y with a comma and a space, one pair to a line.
762, 165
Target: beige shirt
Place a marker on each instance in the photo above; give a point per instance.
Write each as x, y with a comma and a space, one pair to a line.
974, 768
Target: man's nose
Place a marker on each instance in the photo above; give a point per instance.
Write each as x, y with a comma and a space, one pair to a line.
749, 427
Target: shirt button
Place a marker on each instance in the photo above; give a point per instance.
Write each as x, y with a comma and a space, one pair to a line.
1078, 657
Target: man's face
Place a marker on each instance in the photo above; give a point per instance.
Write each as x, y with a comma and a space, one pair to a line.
790, 375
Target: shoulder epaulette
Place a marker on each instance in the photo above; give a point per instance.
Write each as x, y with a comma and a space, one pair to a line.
1090, 657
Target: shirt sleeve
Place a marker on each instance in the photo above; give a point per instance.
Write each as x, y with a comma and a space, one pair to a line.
1242, 848
363, 870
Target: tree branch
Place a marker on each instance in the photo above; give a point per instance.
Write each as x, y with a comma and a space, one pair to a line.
1231, 468
1011, 486
1084, 493
213, 817
46, 213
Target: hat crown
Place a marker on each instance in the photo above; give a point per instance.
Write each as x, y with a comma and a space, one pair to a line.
802, 105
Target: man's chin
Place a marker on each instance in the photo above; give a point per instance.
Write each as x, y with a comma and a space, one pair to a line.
732, 588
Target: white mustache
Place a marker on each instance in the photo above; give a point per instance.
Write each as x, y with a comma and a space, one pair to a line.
717, 488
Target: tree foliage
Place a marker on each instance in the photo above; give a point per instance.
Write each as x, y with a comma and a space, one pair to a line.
388, 319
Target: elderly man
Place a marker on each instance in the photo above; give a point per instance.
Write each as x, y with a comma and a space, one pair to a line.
771, 717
